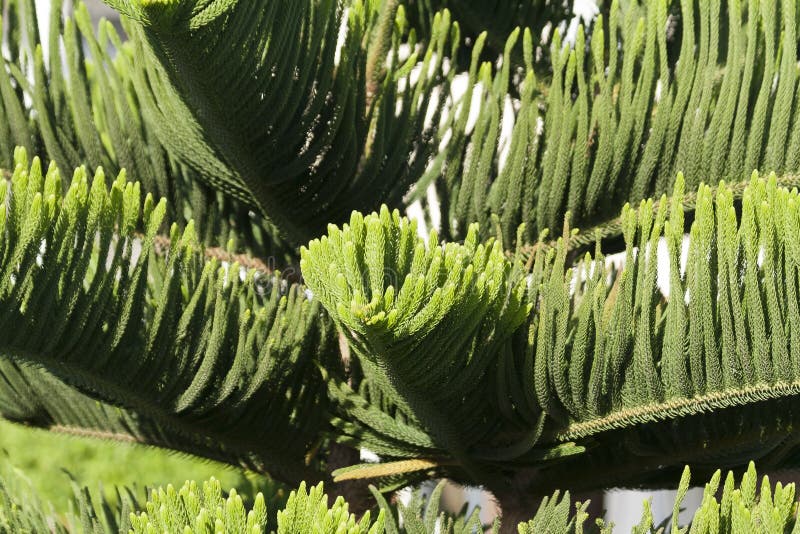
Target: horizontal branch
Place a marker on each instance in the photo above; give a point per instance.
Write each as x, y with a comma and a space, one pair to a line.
672, 409
613, 227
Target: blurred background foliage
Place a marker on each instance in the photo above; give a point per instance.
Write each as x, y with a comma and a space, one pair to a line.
48, 459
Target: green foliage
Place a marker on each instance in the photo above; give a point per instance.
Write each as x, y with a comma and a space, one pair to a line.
352, 131
626, 109
554, 515
417, 315
615, 363
422, 515
34, 397
80, 107
116, 319
625, 142
194, 508
734, 507
308, 511
470, 180
737, 508
206, 510
520, 371
605, 352
199, 510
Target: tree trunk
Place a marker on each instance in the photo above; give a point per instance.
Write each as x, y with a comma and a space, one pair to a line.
518, 506
355, 492
514, 509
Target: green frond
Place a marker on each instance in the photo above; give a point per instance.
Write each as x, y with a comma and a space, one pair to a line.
586, 239
627, 108
602, 357
204, 350
309, 511
662, 380
426, 322
423, 515
307, 128
729, 507
471, 180
196, 508
80, 108
749, 505
199, 509
524, 372
742, 507
33, 397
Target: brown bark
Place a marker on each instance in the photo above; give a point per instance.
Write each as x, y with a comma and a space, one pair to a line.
515, 508
518, 506
355, 492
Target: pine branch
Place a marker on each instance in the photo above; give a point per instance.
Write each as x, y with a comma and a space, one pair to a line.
81, 109
728, 506
33, 397
212, 102
633, 360
162, 245
626, 109
603, 356
220, 357
21, 509
199, 509
588, 238
419, 316
380, 45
